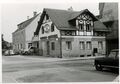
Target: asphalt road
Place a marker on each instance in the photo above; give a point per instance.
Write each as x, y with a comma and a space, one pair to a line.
34, 69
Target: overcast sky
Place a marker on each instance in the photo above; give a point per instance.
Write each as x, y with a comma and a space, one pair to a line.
14, 13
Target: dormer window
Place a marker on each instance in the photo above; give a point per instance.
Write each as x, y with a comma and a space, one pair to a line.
52, 27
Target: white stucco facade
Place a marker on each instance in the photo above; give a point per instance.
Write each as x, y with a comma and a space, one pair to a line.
30, 29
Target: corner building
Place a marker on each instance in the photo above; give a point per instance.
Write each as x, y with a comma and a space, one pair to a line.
65, 33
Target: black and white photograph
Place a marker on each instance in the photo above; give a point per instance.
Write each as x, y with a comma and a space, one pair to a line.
60, 42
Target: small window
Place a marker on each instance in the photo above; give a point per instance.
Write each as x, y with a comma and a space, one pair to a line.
21, 46
81, 27
100, 44
89, 46
82, 55
112, 55
18, 46
47, 17
52, 27
42, 30
53, 46
88, 55
68, 33
82, 45
88, 27
69, 45
29, 45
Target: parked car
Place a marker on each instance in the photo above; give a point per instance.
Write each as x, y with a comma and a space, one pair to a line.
28, 51
110, 61
9, 52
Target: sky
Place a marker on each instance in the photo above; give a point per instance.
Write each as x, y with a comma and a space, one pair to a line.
15, 13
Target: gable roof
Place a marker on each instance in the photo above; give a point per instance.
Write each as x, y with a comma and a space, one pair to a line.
24, 24
62, 18
76, 14
59, 17
99, 26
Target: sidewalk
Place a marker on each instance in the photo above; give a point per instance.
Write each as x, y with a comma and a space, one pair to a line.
29, 59
71, 58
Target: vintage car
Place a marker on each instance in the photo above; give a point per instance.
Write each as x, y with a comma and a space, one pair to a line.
111, 61
28, 51
9, 53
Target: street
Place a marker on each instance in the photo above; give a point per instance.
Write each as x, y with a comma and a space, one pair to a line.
28, 69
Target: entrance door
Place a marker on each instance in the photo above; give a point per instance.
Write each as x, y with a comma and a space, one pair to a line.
48, 48
95, 51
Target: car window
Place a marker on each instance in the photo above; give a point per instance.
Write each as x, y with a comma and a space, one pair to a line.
31, 48
112, 54
117, 54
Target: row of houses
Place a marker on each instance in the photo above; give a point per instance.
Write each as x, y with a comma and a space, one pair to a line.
64, 33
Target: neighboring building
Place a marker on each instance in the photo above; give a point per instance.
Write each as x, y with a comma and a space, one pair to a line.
22, 37
5, 45
67, 33
109, 16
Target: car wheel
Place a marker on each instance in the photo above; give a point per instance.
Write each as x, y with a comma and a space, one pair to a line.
98, 67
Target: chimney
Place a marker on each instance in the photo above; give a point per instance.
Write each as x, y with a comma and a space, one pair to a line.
70, 9
27, 17
34, 13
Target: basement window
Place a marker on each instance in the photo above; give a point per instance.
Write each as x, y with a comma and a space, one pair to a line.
82, 55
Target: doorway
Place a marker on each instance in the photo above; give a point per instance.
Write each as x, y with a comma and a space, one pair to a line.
48, 48
95, 51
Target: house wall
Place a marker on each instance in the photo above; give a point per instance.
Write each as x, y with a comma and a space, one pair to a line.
43, 42
109, 15
110, 10
52, 53
30, 29
18, 40
60, 41
76, 51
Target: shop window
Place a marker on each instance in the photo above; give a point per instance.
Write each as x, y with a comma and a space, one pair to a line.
52, 27
53, 46
100, 44
82, 45
69, 45
88, 45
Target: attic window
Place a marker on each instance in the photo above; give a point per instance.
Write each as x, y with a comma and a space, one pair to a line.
47, 17
81, 27
52, 27
88, 27
42, 30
